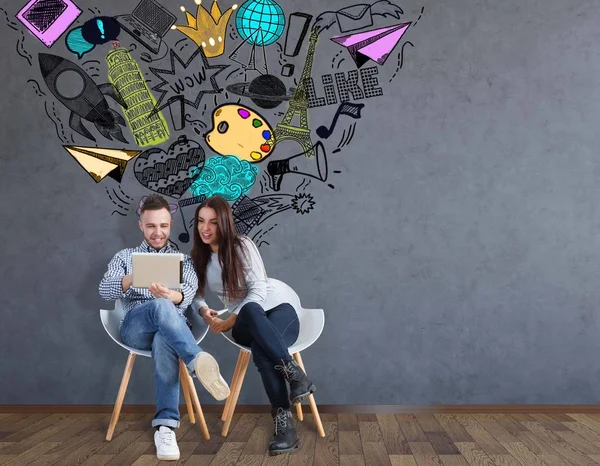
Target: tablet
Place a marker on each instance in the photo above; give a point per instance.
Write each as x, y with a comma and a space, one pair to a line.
149, 267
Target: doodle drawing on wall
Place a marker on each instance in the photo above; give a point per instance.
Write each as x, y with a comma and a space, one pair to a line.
375, 45
77, 91
188, 78
241, 132
148, 128
94, 32
260, 22
299, 106
48, 19
99, 162
298, 24
148, 24
170, 173
208, 30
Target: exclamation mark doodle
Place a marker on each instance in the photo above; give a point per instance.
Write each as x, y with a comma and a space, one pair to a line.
101, 28
297, 28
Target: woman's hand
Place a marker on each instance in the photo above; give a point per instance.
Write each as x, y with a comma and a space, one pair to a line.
209, 315
219, 325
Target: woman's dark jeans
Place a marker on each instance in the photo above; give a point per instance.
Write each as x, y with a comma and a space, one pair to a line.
269, 334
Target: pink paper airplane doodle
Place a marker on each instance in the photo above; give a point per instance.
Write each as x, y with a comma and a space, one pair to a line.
374, 45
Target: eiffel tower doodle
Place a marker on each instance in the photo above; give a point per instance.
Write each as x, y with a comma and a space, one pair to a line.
299, 105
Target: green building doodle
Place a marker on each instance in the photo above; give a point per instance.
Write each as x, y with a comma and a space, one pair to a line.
125, 74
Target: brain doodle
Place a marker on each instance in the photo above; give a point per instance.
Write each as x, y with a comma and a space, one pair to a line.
226, 176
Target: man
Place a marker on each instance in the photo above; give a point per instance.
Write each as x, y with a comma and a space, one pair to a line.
155, 320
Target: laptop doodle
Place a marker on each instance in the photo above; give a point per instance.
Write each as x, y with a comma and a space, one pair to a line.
148, 23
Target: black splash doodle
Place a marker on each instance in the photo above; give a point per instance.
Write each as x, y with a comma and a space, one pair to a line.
331, 186
340, 62
21, 48
421, 14
36, 87
400, 59
117, 212
132, 46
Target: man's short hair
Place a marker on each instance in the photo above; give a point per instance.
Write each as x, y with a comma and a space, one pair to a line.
154, 202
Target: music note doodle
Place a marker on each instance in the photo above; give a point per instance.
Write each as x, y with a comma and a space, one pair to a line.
345, 108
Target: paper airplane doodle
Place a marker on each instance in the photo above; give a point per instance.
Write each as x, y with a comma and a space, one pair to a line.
374, 45
99, 162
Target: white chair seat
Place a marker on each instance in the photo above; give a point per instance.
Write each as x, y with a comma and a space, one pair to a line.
111, 320
311, 323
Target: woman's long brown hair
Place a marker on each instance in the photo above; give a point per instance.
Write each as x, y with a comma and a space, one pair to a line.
230, 247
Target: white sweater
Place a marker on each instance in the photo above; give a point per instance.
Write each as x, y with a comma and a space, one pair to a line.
259, 289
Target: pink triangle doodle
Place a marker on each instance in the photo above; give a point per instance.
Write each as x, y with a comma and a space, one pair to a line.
374, 45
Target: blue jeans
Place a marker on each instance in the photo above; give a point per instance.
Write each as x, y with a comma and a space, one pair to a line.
269, 334
156, 325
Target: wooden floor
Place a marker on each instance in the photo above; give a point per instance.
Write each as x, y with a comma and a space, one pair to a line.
352, 439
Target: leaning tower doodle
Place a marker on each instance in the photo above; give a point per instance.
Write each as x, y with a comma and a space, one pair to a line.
127, 77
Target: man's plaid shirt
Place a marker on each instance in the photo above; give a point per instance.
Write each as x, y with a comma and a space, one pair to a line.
111, 285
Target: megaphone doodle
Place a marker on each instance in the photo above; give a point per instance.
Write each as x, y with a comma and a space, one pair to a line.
315, 167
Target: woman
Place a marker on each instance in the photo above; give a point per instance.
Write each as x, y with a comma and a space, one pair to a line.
231, 267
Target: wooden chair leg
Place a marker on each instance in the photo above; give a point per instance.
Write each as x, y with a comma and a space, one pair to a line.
196, 401
311, 400
236, 393
299, 412
120, 396
232, 388
186, 391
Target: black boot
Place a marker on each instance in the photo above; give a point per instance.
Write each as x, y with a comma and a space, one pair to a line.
285, 438
300, 386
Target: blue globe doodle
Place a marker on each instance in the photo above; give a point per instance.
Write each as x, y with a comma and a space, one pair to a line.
227, 176
260, 22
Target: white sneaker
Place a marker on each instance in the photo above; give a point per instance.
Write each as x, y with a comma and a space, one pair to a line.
166, 444
207, 372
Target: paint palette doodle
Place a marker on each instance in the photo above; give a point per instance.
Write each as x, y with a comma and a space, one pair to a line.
241, 132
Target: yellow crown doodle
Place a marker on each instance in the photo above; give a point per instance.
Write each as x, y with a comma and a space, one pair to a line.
207, 30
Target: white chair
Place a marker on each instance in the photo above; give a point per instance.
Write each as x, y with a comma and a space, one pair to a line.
312, 322
111, 320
